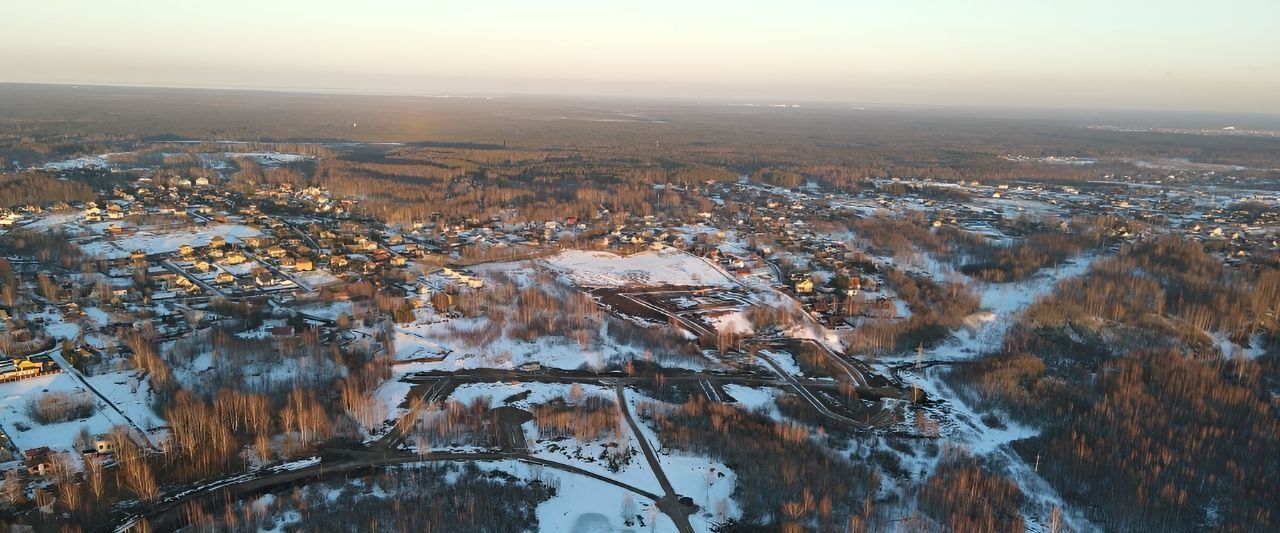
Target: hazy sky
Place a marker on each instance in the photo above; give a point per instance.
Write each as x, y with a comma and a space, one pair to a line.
1214, 55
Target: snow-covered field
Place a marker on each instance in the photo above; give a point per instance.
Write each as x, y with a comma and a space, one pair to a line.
15, 395
583, 504
586, 504
662, 267
434, 337
88, 161
165, 241
538, 392
131, 394
268, 158
585, 455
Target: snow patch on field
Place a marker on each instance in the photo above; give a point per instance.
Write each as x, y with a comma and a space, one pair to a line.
131, 393
785, 361
391, 394
587, 456
755, 399
436, 338
734, 322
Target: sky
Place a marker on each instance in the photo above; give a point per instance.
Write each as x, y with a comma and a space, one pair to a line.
1221, 55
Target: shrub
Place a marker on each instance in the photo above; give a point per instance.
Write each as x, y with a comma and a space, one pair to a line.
59, 406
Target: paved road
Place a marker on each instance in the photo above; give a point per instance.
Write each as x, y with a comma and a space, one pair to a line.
350, 460
669, 504
855, 374
183, 272
804, 393
690, 325
709, 389
275, 270
702, 380
484, 375
163, 512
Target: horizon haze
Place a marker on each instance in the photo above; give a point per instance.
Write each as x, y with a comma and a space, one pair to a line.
1138, 54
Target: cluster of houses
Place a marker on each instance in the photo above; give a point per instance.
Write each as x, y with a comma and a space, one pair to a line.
40, 462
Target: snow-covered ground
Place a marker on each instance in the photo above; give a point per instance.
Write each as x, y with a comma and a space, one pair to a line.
733, 322
164, 241
755, 398
662, 267
15, 395
121, 397
586, 455
709, 483
130, 393
268, 158
583, 504
538, 392
57, 220
326, 310
1001, 303
89, 161
434, 336
967, 428
313, 278
1231, 350
785, 361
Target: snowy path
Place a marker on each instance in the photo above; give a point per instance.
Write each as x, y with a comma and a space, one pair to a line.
1004, 302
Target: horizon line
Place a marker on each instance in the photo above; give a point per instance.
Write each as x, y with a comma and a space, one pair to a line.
852, 105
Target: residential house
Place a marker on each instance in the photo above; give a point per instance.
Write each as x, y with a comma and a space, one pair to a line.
39, 461
234, 257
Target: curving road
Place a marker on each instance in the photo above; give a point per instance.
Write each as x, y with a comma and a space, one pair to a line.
161, 513
804, 393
